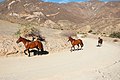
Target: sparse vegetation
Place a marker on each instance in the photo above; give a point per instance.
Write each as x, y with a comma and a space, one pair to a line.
115, 35
94, 33
17, 33
27, 30
89, 31
115, 40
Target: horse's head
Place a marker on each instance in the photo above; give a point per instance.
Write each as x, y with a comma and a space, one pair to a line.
19, 40
99, 38
69, 38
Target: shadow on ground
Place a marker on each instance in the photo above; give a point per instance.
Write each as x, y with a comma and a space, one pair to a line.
98, 45
76, 50
35, 52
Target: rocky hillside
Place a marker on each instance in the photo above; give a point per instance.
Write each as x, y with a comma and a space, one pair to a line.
94, 15
10, 34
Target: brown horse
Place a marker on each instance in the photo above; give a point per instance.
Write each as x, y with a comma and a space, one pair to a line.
30, 45
76, 42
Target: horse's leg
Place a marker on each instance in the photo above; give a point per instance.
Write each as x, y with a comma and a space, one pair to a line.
74, 48
38, 51
40, 46
81, 47
42, 49
78, 46
98, 44
37, 48
25, 51
29, 53
71, 49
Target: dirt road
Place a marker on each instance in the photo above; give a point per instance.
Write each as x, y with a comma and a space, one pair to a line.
91, 63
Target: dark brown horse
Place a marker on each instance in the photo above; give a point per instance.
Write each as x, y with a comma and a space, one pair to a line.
30, 44
76, 42
100, 41
34, 36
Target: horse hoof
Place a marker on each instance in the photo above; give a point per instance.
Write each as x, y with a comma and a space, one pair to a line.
25, 54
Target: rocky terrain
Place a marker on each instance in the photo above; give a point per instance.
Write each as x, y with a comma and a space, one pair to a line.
55, 40
54, 21
91, 63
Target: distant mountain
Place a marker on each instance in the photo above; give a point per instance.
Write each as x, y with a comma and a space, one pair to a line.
101, 17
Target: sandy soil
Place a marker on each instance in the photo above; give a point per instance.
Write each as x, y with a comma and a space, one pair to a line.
91, 63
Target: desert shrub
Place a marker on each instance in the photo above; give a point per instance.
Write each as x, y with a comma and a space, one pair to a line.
115, 40
27, 30
90, 31
94, 33
104, 33
115, 35
17, 33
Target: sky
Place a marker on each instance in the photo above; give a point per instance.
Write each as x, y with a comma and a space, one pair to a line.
1, 0
65, 1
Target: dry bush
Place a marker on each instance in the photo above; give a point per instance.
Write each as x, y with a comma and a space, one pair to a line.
115, 35
27, 31
115, 40
90, 31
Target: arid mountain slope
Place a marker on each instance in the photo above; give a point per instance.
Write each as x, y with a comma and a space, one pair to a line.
102, 17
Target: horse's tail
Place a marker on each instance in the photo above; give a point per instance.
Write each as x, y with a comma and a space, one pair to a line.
40, 46
81, 43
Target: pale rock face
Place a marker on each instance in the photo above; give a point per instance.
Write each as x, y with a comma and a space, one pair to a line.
53, 14
26, 5
14, 14
10, 4
38, 13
